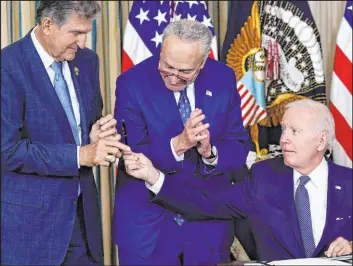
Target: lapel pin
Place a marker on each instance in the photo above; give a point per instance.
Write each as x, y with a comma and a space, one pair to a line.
76, 71
209, 93
338, 219
338, 187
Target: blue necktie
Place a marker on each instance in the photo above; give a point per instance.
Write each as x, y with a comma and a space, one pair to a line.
302, 206
62, 91
185, 111
184, 106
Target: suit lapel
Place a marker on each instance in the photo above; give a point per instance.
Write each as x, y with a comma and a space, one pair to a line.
335, 192
163, 99
42, 85
203, 97
286, 203
200, 91
77, 81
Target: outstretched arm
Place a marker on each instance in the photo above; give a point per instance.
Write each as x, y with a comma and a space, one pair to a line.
190, 201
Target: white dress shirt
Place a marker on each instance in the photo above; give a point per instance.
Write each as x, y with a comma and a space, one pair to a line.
47, 62
317, 190
190, 92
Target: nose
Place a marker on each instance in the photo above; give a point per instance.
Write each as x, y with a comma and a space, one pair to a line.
284, 138
173, 80
81, 40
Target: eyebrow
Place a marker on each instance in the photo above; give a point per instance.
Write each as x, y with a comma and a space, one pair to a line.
182, 69
78, 31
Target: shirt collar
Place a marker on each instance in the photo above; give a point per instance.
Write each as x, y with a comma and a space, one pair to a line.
44, 56
316, 176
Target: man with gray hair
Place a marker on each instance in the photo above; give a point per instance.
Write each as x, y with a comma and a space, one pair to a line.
52, 133
182, 109
299, 206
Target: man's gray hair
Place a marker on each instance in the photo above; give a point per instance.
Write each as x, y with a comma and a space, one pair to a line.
60, 11
324, 122
190, 31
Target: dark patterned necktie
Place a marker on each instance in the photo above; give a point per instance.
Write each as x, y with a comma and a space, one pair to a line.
184, 106
302, 205
185, 111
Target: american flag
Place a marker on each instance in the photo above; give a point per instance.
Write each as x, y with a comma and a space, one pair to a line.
147, 21
341, 91
253, 108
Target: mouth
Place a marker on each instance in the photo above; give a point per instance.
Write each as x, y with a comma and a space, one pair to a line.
73, 49
288, 152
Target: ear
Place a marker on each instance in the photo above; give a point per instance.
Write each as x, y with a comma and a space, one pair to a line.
322, 141
203, 63
47, 25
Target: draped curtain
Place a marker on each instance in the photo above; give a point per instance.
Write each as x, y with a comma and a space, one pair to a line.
106, 38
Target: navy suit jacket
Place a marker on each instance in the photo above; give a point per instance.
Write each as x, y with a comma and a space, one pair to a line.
152, 119
267, 197
39, 171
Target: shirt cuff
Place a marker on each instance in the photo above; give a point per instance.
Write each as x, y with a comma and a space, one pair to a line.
214, 163
78, 157
156, 187
177, 158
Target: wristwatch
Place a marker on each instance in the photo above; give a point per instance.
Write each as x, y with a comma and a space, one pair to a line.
213, 154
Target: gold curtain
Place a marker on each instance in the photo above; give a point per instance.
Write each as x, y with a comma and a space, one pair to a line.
106, 38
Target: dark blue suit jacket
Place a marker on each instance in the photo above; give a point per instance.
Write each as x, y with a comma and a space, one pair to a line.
152, 119
39, 171
267, 197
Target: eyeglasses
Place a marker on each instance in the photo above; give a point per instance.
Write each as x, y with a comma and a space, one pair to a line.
186, 78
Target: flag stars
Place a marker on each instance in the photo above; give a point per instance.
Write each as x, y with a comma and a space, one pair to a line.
177, 17
283, 89
157, 38
160, 17
303, 64
191, 17
306, 82
273, 91
207, 21
305, 73
299, 55
287, 39
143, 16
192, 3
294, 47
280, 33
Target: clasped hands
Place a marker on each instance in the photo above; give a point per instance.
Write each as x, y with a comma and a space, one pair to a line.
105, 146
195, 133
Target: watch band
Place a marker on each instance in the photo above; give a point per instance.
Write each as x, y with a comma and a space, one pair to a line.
212, 154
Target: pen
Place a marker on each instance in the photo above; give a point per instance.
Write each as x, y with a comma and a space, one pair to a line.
124, 134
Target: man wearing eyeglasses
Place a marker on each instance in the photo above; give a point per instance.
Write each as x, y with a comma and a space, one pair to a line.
182, 110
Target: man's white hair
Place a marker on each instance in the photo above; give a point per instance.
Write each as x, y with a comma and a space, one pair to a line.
325, 121
190, 31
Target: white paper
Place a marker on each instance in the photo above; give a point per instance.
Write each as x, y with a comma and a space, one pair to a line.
308, 261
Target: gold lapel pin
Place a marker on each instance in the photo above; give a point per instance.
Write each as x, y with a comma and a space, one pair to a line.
76, 71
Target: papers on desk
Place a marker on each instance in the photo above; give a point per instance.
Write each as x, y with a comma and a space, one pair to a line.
309, 261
